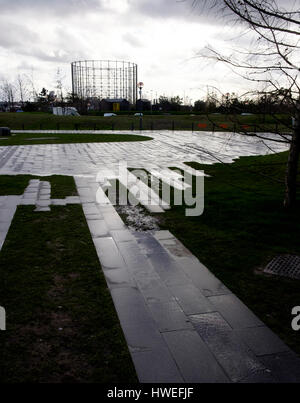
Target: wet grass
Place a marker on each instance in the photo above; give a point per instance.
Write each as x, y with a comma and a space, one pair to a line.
61, 323
67, 138
244, 225
61, 186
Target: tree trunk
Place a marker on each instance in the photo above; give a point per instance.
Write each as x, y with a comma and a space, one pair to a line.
292, 166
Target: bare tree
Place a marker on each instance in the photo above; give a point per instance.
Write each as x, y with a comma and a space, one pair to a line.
31, 83
22, 88
8, 91
271, 61
59, 85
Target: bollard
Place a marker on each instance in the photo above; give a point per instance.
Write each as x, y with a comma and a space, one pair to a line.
132, 126
193, 127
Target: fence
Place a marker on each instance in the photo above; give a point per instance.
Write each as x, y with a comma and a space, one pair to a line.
152, 126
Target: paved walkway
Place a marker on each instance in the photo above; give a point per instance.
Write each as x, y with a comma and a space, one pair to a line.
180, 322
162, 152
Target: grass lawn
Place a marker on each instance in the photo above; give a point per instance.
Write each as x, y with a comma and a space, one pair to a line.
61, 186
38, 121
65, 138
61, 322
243, 227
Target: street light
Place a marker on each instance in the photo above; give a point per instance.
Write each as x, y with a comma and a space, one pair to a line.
140, 87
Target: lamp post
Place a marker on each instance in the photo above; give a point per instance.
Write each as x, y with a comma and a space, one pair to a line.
140, 87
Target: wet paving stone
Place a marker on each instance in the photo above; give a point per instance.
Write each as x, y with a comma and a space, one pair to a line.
195, 361
133, 257
122, 235
235, 312
119, 278
163, 368
169, 316
202, 277
262, 340
190, 299
148, 244
108, 253
239, 362
285, 367
152, 288
98, 228
168, 269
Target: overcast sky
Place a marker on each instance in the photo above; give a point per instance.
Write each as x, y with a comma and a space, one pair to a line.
162, 36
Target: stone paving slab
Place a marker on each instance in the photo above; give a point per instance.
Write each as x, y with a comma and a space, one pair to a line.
156, 366
269, 342
108, 253
191, 300
98, 228
202, 277
119, 278
123, 235
235, 312
285, 367
169, 271
169, 316
235, 357
144, 339
196, 363
153, 289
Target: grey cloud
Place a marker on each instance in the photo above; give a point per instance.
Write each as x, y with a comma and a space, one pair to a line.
189, 11
132, 40
23, 41
13, 35
203, 11
181, 9
57, 7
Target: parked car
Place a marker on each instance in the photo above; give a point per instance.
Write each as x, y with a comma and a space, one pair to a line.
108, 115
138, 114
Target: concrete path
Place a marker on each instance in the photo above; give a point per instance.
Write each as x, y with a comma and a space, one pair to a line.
180, 322
167, 149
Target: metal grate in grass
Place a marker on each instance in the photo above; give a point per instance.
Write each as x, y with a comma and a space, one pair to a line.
284, 265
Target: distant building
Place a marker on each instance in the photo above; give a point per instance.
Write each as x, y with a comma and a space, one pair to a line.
114, 105
143, 104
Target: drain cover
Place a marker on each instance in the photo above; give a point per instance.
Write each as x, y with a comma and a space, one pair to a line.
285, 265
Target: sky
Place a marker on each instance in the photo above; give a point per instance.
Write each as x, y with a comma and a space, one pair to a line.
163, 37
